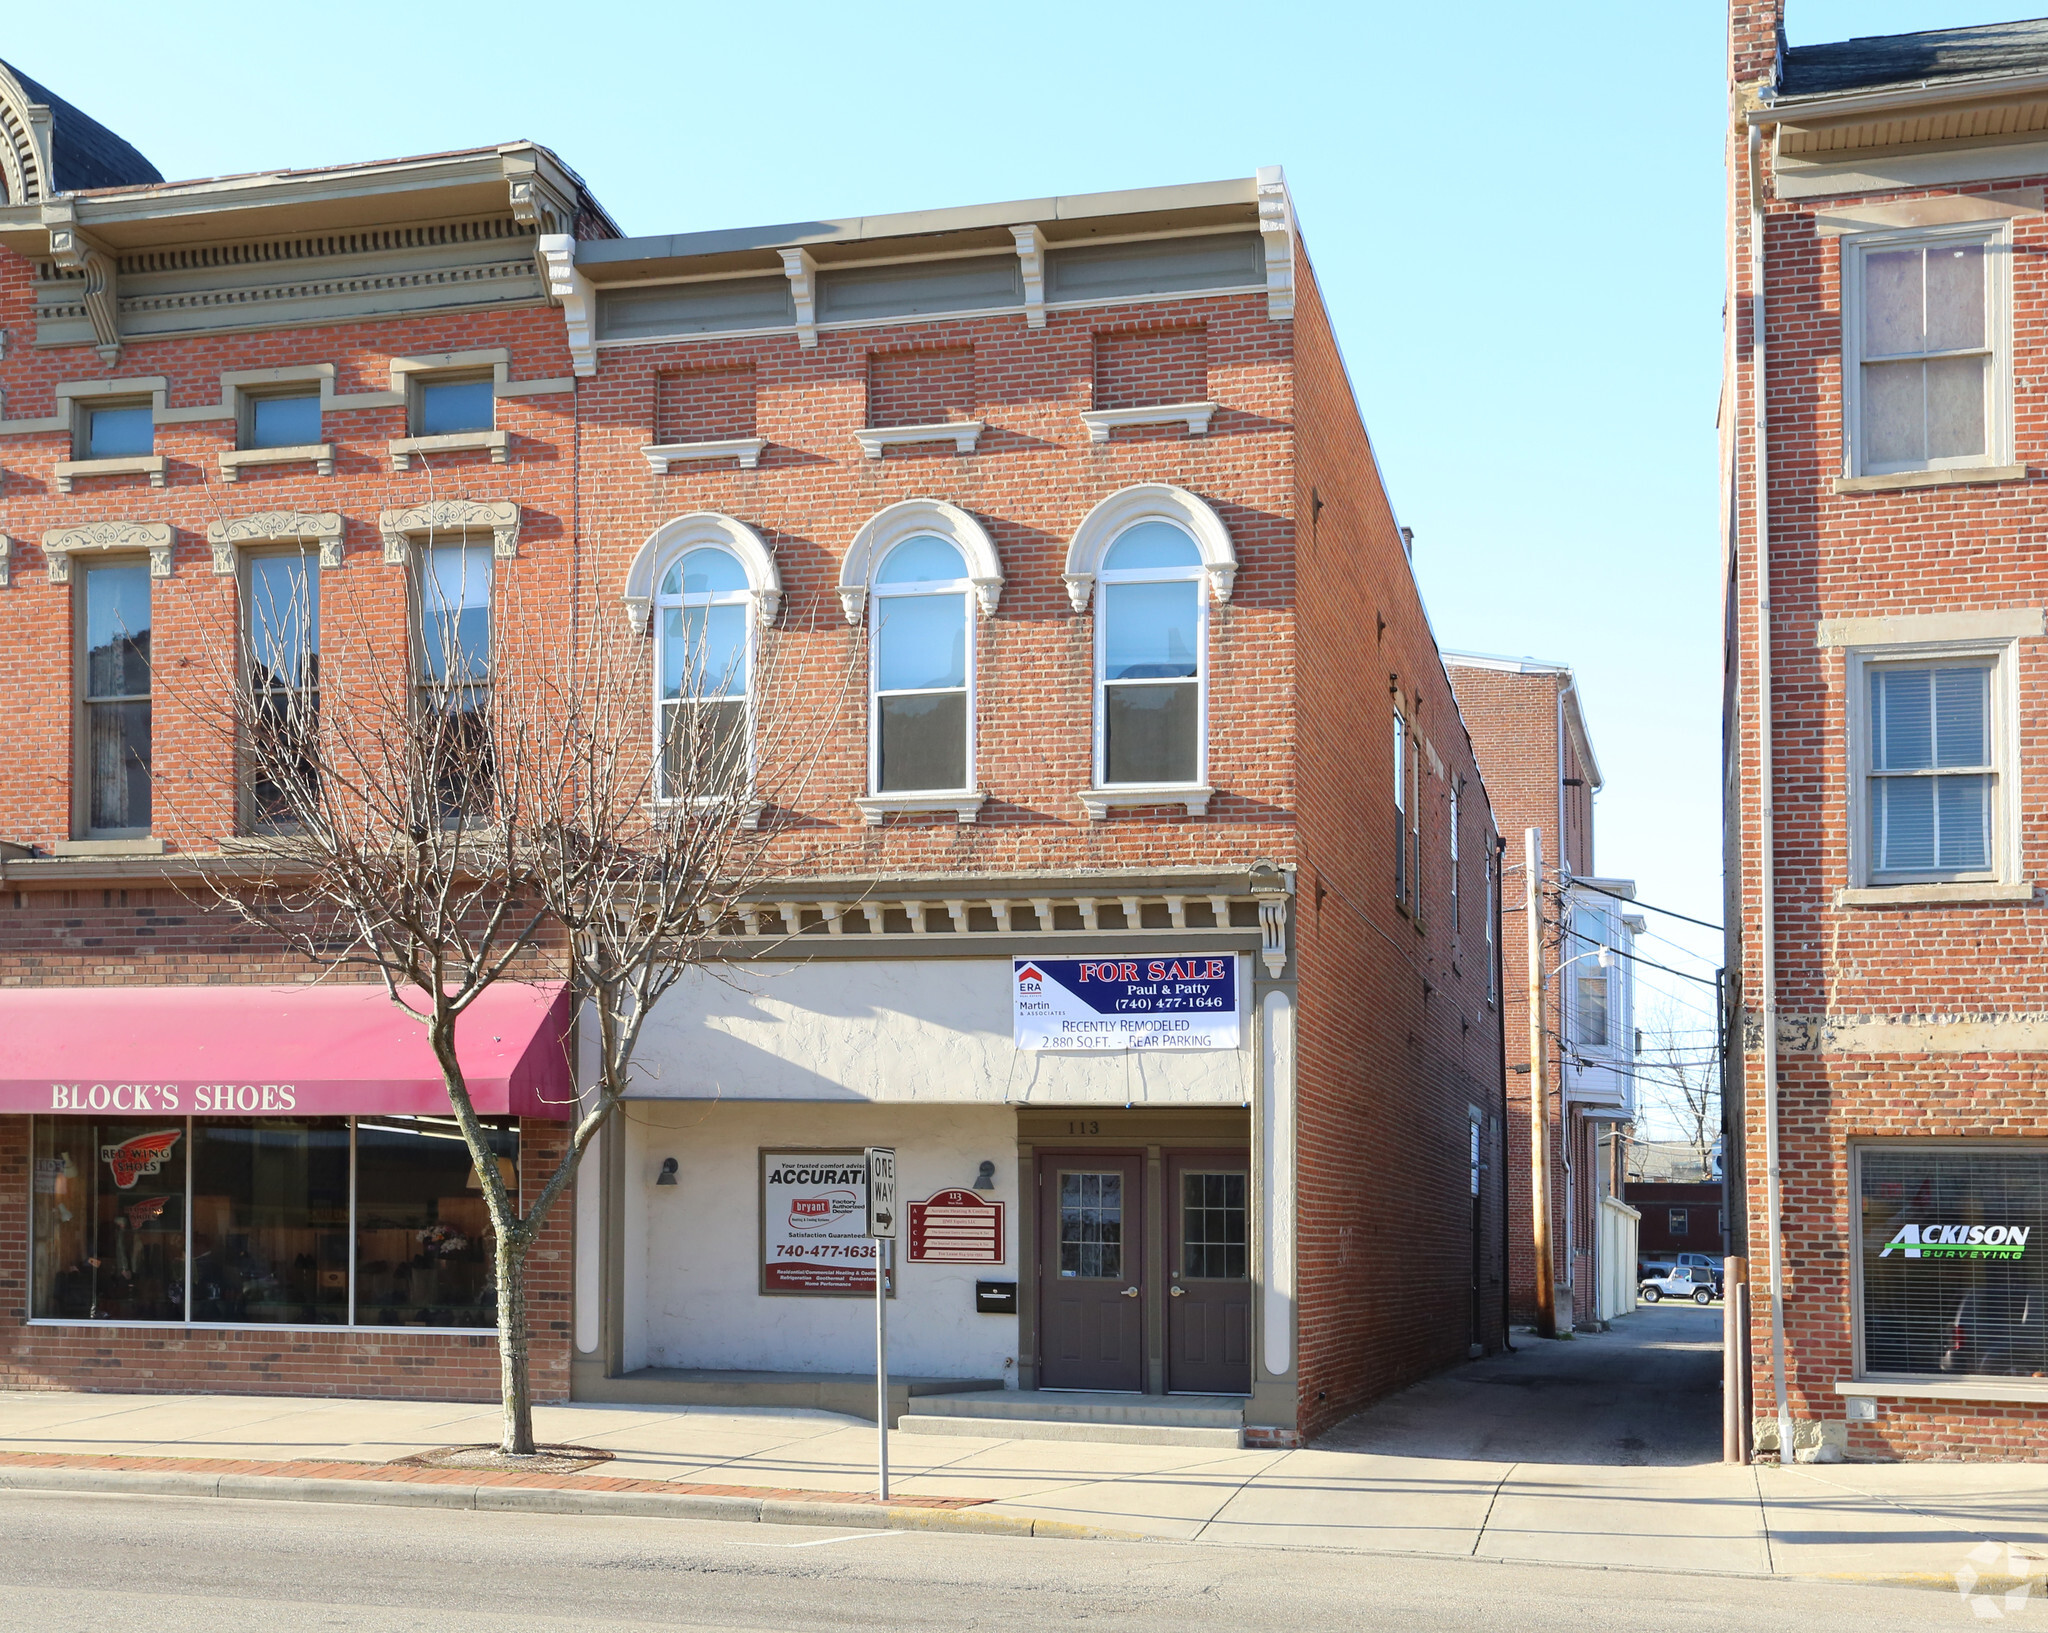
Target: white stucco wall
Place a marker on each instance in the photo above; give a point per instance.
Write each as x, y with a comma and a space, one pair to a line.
695, 1301
887, 1029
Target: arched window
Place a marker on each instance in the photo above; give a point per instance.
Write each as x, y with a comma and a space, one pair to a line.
920, 661
704, 660
1151, 644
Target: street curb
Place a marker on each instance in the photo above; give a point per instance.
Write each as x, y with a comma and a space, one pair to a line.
549, 1500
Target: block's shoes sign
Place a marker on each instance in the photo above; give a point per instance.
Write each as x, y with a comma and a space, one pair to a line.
1126, 1003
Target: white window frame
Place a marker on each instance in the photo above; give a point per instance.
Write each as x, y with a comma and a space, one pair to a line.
1587, 965
1998, 411
747, 599
2002, 657
1456, 784
964, 588
1196, 574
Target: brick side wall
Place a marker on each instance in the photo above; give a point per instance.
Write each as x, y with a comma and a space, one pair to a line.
1138, 368
1397, 1039
1839, 555
704, 405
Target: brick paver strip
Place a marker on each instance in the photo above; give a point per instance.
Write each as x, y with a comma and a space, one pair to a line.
396, 1473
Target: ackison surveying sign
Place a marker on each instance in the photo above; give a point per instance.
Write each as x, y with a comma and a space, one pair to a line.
1125, 1003
1959, 1242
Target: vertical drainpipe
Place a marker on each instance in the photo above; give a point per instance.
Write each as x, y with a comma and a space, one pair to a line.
1767, 906
1564, 1105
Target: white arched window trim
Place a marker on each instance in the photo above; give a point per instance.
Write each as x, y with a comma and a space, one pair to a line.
888, 528
686, 533
1149, 502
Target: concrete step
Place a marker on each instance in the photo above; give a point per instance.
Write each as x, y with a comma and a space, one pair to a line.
850, 1393
1116, 1434
1088, 1406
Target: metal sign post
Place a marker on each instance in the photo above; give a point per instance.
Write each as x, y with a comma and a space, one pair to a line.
881, 1161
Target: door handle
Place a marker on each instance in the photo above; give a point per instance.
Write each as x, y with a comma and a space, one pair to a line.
1177, 1292
1128, 1292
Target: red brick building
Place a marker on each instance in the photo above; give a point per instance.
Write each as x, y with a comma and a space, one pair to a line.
1528, 727
1882, 430
1059, 519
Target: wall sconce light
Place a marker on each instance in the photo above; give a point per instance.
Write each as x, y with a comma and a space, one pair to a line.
986, 1179
667, 1176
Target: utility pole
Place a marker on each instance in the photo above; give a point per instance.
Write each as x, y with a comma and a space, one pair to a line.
1539, 1089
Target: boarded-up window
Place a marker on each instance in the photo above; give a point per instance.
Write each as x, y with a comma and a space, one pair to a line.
927, 387
705, 405
1139, 368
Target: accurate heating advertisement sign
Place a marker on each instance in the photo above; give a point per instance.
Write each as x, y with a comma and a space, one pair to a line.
1125, 1003
814, 1223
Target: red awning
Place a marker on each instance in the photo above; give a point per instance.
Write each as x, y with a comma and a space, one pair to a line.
274, 1051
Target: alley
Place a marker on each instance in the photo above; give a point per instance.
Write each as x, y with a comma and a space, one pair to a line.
1647, 1393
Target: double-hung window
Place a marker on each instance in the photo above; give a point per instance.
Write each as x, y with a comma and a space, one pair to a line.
1455, 785
1926, 353
1591, 935
281, 419
116, 699
455, 677
281, 632
1400, 808
1152, 637
923, 657
704, 610
116, 430
1931, 769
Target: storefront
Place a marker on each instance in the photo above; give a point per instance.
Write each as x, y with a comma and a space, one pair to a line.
1094, 1199
209, 1167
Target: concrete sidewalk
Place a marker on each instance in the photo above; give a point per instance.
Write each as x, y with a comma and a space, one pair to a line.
1891, 1522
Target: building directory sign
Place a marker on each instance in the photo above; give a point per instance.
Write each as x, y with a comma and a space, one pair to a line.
1126, 1003
814, 1223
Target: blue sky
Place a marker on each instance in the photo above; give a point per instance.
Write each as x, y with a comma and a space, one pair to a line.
1515, 211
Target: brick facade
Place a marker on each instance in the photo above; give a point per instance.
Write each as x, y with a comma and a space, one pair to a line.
1887, 1006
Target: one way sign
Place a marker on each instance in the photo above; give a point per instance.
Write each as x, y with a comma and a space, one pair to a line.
882, 1191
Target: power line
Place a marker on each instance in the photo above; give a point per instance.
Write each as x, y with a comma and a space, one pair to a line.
1649, 907
1636, 958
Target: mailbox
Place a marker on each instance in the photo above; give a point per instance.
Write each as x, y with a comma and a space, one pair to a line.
995, 1297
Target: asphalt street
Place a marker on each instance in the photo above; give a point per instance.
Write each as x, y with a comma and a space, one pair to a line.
93, 1564
1647, 1393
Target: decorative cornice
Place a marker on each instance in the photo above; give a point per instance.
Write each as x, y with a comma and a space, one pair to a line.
661, 455
571, 291
962, 434
275, 527
1031, 257
1102, 421
802, 273
1276, 227
440, 517
60, 544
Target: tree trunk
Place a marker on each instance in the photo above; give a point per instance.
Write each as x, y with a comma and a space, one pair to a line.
512, 1334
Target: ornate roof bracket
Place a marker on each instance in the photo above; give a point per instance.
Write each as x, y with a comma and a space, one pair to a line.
802, 273
571, 291
74, 252
1276, 227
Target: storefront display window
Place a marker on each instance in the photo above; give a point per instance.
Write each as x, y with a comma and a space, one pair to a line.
1954, 1264
422, 1227
299, 1222
109, 1205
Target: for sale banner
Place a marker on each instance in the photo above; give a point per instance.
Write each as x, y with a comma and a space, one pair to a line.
1126, 1003
814, 1222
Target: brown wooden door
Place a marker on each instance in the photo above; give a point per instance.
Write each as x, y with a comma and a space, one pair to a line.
1209, 1285
1091, 1267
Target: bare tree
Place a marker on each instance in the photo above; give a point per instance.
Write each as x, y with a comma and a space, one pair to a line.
471, 790
1677, 1075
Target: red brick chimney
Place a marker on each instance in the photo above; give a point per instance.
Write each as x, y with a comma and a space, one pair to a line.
1756, 35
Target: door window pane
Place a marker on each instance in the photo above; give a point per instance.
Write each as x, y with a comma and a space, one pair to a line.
270, 1221
1213, 1221
1092, 1225
108, 1201
423, 1231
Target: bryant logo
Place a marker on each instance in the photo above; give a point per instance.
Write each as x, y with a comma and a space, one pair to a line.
144, 1154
